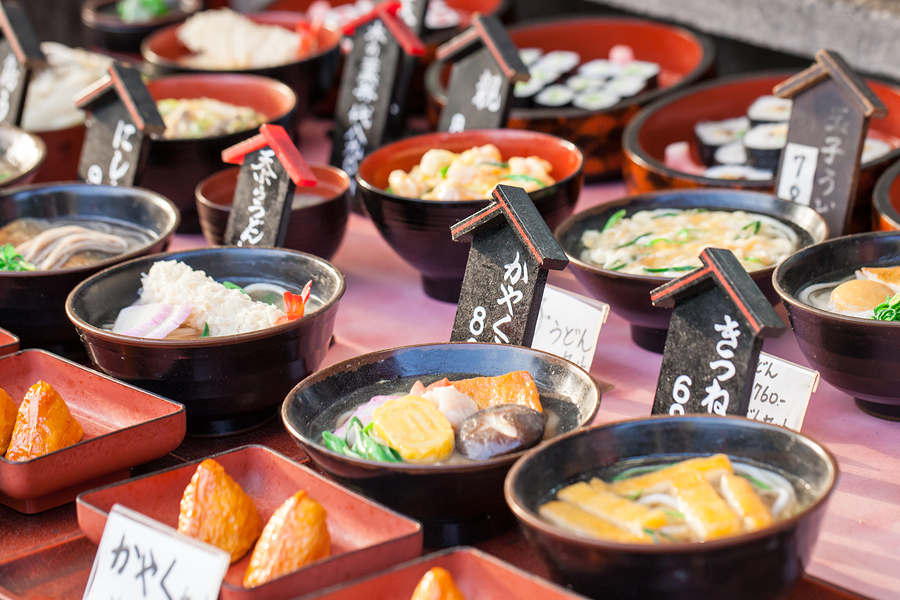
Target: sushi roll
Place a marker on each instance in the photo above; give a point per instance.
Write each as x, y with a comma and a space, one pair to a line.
581, 83
525, 91
439, 15
530, 56
873, 149
595, 100
732, 153
648, 71
554, 96
712, 135
625, 86
561, 61
599, 69
769, 109
764, 144
546, 75
737, 172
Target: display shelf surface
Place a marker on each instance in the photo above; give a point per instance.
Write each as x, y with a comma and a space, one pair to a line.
384, 307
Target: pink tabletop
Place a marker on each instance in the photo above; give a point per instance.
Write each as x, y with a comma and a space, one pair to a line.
384, 307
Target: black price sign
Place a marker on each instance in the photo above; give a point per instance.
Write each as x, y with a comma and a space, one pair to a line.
486, 64
271, 167
712, 349
831, 109
20, 54
370, 84
121, 113
512, 250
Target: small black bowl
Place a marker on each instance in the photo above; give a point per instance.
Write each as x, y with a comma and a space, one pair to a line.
629, 295
419, 230
105, 29
228, 383
857, 356
457, 503
763, 565
32, 304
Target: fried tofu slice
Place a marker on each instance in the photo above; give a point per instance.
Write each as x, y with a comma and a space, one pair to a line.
596, 499
745, 502
705, 512
650, 481
569, 516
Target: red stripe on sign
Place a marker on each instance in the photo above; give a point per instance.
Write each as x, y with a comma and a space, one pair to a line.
474, 219
525, 237
737, 301
681, 283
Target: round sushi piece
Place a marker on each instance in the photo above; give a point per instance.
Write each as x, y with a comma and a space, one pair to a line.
712, 135
561, 61
626, 86
548, 76
440, 15
769, 109
527, 89
764, 144
530, 56
582, 83
873, 149
595, 100
648, 71
554, 96
599, 68
732, 153
737, 172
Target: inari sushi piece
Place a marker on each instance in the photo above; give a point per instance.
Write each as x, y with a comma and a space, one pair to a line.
43, 425
437, 584
8, 412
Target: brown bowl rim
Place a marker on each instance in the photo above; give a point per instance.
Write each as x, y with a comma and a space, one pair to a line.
489, 135
437, 91
419, 468
635, 152
881, 196
215, 341
532, 520
93, 17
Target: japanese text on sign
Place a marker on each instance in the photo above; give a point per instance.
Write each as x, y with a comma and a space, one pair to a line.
9, 81
797, 173
717, 398
513, 273
365, 93
568, 326
263, 175
141, 558
118, 167
781, 392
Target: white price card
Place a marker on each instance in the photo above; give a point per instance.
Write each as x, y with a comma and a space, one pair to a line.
798, 172
568, 325
142, 558
781, 392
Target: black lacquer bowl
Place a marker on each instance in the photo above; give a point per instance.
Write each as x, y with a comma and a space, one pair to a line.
457, 503
419, 230
762, 565
32, 304
105, 29
858, 356
228, 383
629, 295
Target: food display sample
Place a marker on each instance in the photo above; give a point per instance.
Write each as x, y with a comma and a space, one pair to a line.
438, 15
179, 303
43, 424
470, 419
749, 147
228, 41
871, 294
468, 175
437, 584
8, 413
559, 78
137, 11
192, 118
696, 500
667, 241
49, 103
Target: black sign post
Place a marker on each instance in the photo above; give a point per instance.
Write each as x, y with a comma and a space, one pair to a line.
121, 113
20, 55
413, 14
719, 321
829, 119
369, 83
271, 167
485, 65
512, 250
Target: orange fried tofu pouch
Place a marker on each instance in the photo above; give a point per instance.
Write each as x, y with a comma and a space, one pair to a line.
215, 509
43, 424
8, 412
295, 536
517, 387
437, 584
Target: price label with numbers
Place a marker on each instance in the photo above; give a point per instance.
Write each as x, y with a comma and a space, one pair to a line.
798, 172
142, 558
568, 325
781, 392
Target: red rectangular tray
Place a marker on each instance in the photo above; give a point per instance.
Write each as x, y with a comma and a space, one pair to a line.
477, 575
365, 536
9, 342
123, 426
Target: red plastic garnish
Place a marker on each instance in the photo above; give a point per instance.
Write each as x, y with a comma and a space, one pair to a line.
295, 304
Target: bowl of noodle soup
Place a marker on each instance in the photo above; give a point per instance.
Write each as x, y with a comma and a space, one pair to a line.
761, 564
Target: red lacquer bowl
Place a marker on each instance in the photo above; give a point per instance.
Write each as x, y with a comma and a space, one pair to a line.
886, 201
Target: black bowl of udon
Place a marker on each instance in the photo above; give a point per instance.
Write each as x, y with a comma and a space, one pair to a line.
657, 563
32, 303
227, 383
458, 500
628, 293
852, 351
